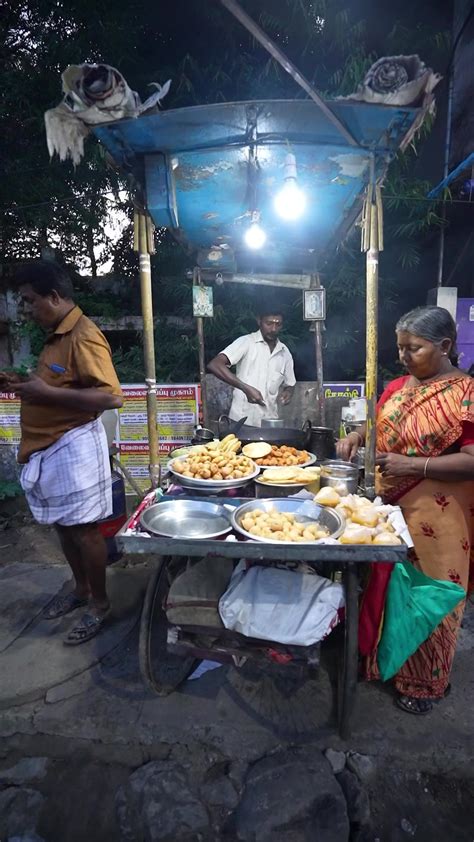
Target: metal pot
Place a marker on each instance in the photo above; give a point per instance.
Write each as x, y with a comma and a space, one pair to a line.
291, 436
360, 459
322, 443
343, 476
273, 422
202, 435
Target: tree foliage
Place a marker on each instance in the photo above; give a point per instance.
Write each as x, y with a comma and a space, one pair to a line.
45, 203
210, 58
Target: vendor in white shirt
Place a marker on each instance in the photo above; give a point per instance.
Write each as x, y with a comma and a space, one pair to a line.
264, 373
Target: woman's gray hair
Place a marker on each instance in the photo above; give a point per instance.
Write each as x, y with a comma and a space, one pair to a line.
431, 323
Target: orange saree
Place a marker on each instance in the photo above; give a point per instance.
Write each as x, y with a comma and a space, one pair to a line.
427, 420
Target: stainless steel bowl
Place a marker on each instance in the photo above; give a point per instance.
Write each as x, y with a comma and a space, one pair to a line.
186, 519
343, 476
304, 510
275, 423
203, 435
211, 485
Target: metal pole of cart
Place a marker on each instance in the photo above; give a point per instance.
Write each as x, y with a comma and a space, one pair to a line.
318, 350
257, 32
201, 353
143, 244
372, 244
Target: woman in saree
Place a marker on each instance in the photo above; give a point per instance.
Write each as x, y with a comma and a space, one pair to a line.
425, 458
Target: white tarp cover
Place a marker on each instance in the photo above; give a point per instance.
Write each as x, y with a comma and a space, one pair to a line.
282, 605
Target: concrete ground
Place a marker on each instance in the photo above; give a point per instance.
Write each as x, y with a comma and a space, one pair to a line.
90, 700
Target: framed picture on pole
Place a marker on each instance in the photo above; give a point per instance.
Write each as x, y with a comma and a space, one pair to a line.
314, 305
203, 304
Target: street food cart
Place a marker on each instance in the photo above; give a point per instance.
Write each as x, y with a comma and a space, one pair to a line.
211, 175
168, 653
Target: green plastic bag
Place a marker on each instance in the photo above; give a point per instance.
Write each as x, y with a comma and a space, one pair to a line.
414, 606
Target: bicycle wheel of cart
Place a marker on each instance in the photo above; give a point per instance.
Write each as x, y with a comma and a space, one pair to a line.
162, 671
348, 661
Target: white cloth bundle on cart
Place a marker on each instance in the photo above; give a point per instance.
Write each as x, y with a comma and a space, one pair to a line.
285, 606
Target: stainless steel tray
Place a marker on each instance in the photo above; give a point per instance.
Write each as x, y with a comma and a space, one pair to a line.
208, 484
186, 519
337, 555
264, 490
304, 510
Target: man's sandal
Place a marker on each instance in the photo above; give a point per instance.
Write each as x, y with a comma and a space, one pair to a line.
420, 707
63, 604
87, 628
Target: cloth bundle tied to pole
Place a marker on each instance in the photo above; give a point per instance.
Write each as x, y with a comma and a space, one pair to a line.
93, 94
396, 80
372, 244
143, 244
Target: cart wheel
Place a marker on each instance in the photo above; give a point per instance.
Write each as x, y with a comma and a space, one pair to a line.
161, 671
348, 663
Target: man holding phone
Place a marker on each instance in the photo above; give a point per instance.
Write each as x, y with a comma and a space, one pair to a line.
66, 475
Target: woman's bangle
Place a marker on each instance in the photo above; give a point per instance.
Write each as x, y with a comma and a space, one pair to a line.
426, 467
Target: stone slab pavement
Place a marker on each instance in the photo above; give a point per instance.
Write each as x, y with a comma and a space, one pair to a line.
93, 699
33, 657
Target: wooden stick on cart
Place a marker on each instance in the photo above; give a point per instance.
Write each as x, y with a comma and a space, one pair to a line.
372, 244
144, 245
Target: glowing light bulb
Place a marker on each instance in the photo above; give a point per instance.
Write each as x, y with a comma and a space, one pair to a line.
290, 202
255, 236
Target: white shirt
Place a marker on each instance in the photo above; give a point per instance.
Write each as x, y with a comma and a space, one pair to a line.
263, 369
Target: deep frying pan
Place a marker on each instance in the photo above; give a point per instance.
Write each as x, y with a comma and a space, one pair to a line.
292, 436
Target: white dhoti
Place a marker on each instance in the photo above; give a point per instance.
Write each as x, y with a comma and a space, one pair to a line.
70, 482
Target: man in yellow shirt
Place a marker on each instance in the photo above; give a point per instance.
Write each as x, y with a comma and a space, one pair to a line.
66, 475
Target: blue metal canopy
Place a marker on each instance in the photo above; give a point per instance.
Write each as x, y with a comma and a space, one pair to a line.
193, 167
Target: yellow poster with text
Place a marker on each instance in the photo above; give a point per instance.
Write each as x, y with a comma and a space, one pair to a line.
9, 418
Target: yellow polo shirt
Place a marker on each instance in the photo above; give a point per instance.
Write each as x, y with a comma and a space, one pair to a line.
77, 346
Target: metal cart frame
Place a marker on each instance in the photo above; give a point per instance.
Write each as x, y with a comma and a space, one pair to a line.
346, 559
